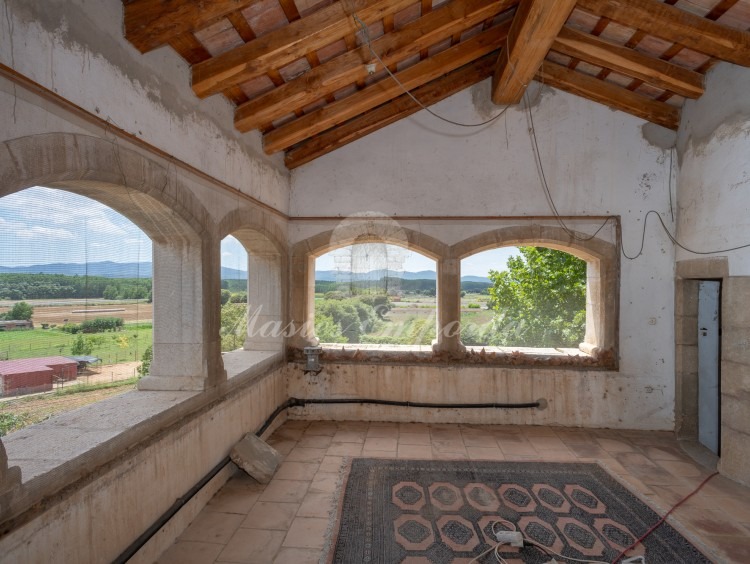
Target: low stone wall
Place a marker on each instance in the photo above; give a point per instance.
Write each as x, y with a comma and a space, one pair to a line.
92, 506
574, 397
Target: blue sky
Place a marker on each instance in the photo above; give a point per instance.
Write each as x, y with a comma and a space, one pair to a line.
376, 256
44, 225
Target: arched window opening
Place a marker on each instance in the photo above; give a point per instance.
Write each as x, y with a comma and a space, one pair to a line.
375, 294
76, 315
234, 291
251, 323
529, 297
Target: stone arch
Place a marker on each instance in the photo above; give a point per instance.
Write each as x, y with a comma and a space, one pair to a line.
357, 229
602, 274
141, 189
266, 268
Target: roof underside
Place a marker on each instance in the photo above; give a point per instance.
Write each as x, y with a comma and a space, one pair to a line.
301, 71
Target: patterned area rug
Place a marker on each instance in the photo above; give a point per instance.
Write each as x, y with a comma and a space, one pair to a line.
422, 512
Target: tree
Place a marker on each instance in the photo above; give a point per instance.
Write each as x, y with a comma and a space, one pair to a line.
540, 301
145, 366
225, 295
81, 346
20, 311
233, 328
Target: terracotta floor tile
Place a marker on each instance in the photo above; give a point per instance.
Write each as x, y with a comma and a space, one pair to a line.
484, 453
588, 451
521, 448
324, 482
285, 491
344, 449
345, 436
730, 549
474, 439
316, 505
331, 464
230, 499
315, 441
664, 453
252, 546
446, 446
437, 455
289, 470
615, 446
709, 522
380, 443
322, 428
684, 469
271, 516
543, 443
383, 431
295, 512
415, 452
419, 428
283, 446
306, 532
212, 527
446, 435
414, 439
190, 552
297, 556
300, 454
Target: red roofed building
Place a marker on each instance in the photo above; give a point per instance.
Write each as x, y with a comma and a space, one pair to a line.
28, 375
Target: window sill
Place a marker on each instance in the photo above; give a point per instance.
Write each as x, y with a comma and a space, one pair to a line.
474, 355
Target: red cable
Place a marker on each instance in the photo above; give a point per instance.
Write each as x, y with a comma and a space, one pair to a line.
660, 521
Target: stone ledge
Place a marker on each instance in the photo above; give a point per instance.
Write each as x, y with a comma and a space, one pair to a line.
56, 453
473, 356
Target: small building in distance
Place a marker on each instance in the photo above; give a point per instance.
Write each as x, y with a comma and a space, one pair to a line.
15, 324
31, 375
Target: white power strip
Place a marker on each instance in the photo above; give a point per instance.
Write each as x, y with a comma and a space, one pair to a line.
513, 538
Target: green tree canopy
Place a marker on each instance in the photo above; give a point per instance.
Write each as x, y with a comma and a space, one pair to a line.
540, 301
20, 311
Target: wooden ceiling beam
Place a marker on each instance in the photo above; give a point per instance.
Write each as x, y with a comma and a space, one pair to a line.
678, 26
631, 63
535, 26
391, 112
421, 73
609, 94
152, 23
291, 42
337, 73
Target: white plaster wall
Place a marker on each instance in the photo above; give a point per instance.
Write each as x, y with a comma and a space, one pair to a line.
596, 161
714, 179
76, 48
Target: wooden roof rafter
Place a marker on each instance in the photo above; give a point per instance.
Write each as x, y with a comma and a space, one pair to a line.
297, 70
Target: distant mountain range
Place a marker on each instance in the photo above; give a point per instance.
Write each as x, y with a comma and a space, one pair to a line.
110, 269
107, 269
336, 275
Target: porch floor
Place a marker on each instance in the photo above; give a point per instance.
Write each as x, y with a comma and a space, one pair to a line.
286, 520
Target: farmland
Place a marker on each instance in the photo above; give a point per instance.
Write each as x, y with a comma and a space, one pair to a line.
126, 345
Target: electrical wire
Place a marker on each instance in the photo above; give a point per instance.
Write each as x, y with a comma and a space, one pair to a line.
368, 42
574, 235
660, 521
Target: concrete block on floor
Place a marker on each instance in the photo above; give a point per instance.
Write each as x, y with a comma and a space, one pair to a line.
256, 458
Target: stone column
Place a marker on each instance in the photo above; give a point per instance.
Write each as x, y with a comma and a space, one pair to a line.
302, 291
183, 322
735, 379
265, 322
448, 307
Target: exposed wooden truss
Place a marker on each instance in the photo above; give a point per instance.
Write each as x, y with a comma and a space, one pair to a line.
311, 76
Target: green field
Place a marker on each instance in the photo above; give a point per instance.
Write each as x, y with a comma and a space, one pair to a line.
112, 347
